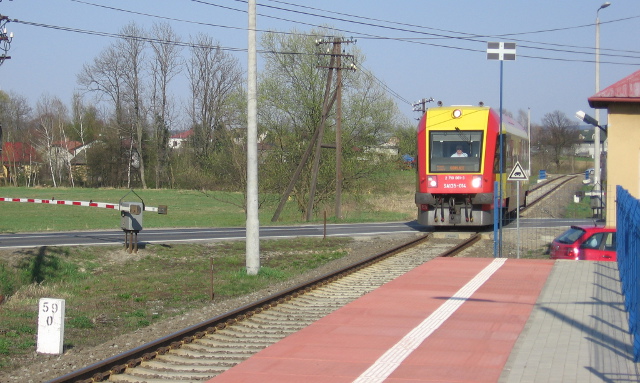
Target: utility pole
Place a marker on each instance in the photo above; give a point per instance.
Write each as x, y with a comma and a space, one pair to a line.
325, 112
327, 105
421, 105
338, 213
5, 40
252, 257
338, 54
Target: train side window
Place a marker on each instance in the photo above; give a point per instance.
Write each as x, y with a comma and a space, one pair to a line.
496, 157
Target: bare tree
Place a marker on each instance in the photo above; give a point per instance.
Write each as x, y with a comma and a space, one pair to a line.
104, 78
117, 75
165, 65
52, 116
132, 48
213, 77
558, 136
16, 113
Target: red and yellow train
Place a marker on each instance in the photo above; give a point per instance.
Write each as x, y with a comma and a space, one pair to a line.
458, 164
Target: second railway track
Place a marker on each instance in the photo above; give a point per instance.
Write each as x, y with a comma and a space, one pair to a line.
208, 349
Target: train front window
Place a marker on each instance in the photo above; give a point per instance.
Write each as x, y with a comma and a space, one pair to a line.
458, 151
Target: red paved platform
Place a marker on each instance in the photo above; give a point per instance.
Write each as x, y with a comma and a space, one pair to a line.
449, 320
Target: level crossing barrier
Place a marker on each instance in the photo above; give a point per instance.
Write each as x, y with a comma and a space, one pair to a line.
628, 252
105, 205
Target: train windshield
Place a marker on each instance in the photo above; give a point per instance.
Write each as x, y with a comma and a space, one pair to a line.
458, 151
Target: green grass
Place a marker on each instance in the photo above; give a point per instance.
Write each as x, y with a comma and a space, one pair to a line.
582, 209
186, 208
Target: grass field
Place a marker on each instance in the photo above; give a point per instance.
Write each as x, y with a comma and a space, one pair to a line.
188, 208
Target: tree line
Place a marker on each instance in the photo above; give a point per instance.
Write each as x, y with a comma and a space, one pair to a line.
126, 109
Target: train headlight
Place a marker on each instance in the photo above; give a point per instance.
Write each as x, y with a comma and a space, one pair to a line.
476, 182
432, 181
457, 113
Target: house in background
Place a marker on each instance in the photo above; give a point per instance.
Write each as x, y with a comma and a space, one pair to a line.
179, 139
19, 159
586, 145
61, 152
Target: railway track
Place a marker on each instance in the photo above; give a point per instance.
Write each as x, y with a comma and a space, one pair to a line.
543, 190
205, 350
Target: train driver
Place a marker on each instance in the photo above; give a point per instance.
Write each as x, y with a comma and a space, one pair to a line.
459, 152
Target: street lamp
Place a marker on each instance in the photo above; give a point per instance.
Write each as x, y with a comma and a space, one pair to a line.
590, 120
596, 136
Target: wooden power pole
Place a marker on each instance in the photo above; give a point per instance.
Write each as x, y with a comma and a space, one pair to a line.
316, 141
337, 54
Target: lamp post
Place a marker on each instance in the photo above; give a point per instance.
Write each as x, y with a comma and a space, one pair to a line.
596, 133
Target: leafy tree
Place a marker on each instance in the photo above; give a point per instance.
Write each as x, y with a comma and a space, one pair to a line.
15, 117
407, 140
291, 94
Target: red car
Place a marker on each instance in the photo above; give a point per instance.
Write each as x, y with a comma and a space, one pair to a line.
591, 243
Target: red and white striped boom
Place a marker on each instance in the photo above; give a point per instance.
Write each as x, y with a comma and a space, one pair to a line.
104, 205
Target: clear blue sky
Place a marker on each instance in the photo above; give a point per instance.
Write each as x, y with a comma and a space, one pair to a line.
417, 48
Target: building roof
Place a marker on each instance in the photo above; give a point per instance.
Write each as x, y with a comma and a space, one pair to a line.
19, 152
70, 146
183, 135
623, 91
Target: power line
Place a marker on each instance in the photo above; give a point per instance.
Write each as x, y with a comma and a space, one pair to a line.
383, 84
231, 49
450, 31
469, 37
122, 36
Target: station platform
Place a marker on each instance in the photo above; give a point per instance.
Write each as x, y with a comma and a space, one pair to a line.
465, 320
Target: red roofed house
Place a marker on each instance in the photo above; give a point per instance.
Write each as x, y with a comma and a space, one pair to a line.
177, 140
18, 158
622, 100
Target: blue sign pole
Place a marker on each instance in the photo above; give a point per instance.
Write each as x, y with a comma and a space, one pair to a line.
501, 160
499, 51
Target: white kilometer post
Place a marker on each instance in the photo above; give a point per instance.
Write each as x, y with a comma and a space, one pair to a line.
50, 326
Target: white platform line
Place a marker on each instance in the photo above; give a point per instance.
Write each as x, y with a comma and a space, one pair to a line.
390, 360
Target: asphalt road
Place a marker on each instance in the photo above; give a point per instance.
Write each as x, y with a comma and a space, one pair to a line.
194, 235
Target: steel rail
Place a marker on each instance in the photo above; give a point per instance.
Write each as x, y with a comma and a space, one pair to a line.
546, 194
